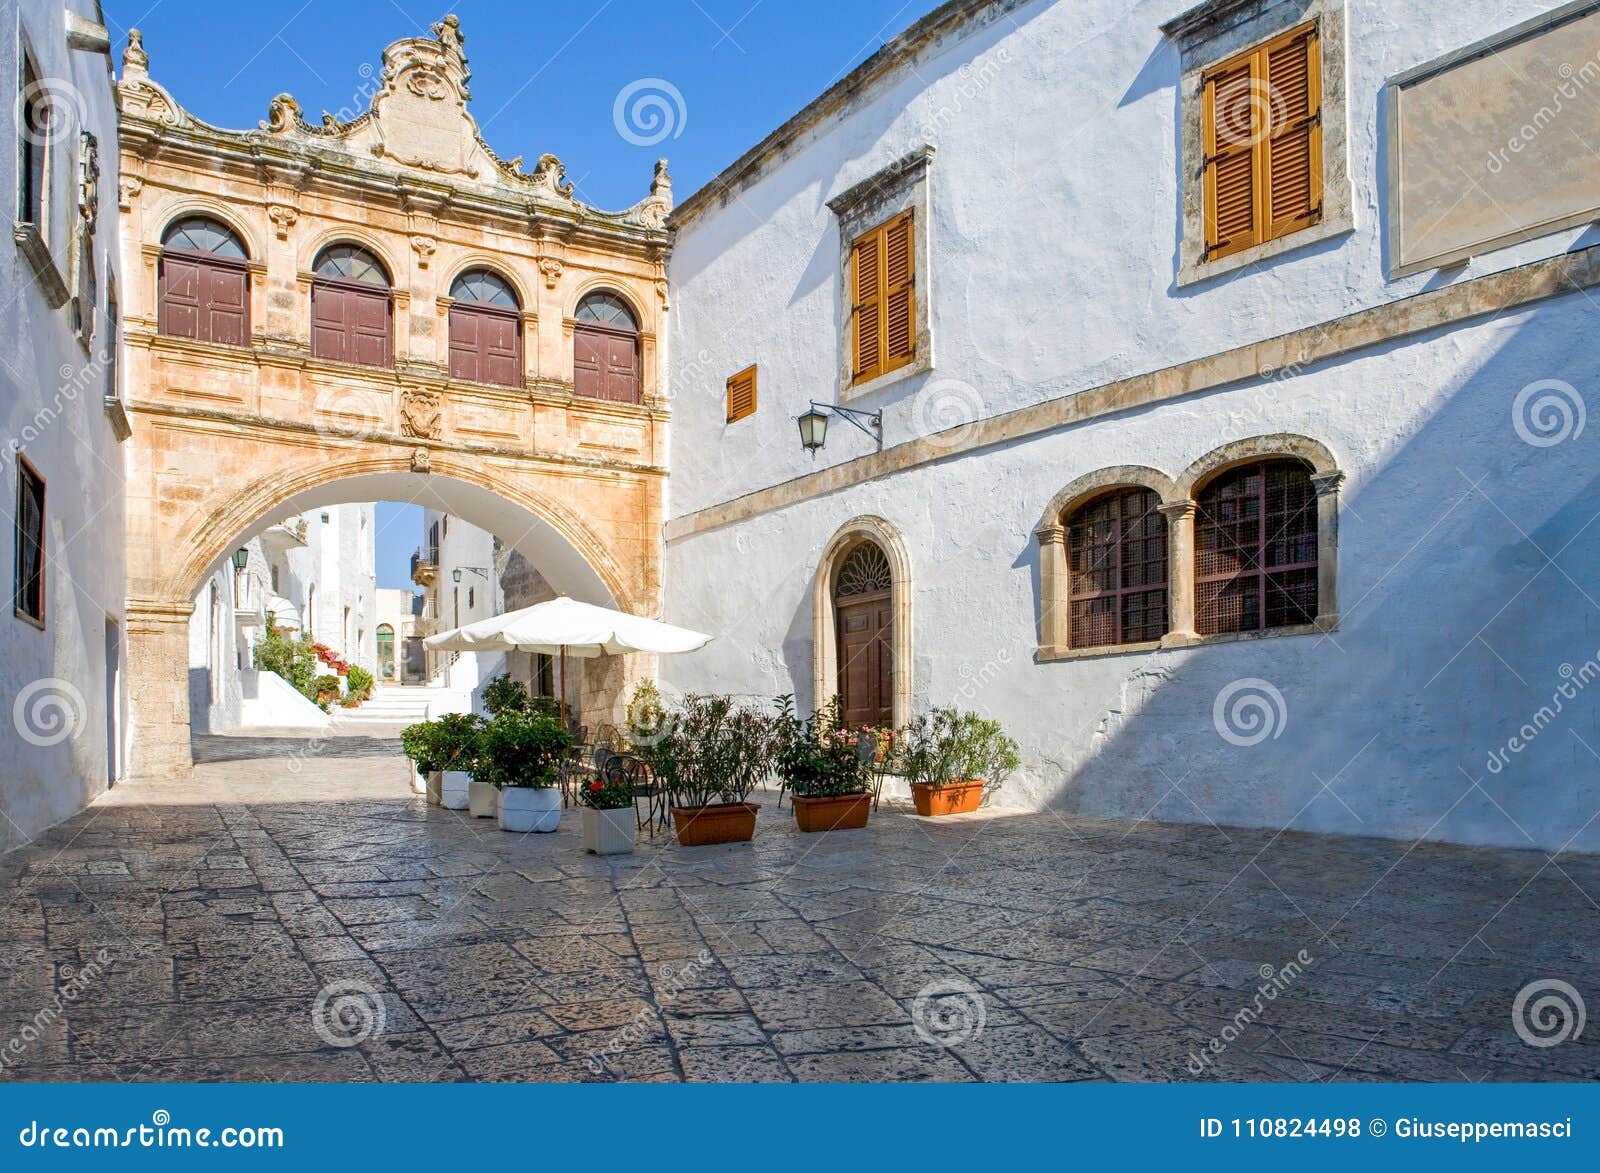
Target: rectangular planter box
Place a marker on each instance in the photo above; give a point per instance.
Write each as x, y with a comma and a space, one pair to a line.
435, 789
609, 832
721, 822
958, 798
844, 812
454, 790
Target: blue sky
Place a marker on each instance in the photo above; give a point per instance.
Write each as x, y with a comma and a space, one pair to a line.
546, 77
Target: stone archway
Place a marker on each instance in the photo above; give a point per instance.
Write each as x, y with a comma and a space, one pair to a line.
202, 489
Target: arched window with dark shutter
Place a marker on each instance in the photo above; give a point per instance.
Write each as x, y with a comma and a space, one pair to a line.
1256, 549
485, 330
605, 355
203, 283
1117, 565
351, 310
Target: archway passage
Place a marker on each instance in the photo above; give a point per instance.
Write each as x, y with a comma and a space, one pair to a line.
199, 492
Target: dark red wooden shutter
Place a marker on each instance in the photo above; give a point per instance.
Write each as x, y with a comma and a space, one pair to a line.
224, 304
502, 350
464, 330
622, 370
588, 363
370, 328
179, 297
329, 331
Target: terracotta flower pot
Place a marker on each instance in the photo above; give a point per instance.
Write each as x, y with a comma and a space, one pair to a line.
719, 822
958, 798
843, 812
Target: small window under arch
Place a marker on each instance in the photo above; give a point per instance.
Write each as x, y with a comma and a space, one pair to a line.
485, 329
1256, 556
1117, 568
203, 283
605, 357
351, 310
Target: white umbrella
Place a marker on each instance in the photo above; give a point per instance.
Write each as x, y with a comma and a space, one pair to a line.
562, 626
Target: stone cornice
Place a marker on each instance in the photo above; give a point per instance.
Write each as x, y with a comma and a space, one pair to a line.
1285, 354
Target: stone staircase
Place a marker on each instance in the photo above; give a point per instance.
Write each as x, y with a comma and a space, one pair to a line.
390, 709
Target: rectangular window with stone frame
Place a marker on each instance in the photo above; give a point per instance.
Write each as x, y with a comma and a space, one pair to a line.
885, 288
28, 579
1262, 131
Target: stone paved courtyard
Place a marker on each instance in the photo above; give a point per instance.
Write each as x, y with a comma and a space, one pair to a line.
184, 933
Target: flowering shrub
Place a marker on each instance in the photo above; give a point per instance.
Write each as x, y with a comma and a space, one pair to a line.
714, 750
606, 794
822, 757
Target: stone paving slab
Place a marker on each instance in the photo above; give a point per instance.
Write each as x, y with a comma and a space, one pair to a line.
295, 913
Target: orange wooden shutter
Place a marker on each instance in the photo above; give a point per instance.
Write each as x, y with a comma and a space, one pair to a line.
1231, 164
742, 394
1294, 148
1262, 126
866, 267
899, 337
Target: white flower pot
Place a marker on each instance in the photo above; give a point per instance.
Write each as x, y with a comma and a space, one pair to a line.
481, 799
453, 792
523, 808
609, 832
419, 780
435, 787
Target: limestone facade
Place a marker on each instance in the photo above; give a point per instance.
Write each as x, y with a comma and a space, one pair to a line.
225, 435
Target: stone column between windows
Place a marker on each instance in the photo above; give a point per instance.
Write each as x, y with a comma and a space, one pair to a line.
1326, 485
1053, 588
1180, 574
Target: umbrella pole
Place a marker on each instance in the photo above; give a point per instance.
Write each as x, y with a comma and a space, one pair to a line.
561, 700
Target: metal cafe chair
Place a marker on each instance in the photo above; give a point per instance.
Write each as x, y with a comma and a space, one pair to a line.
643, 783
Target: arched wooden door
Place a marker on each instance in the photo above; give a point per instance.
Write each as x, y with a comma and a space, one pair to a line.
864, 625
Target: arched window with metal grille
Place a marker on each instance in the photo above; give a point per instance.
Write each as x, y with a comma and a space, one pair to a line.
1256, 548
1117, 562
203, 283
351, 310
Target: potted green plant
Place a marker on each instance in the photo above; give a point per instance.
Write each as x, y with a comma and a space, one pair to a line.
503, 694
710, 757
951, 758
610, 823
416, 742
826, 767
520, 755
455, 749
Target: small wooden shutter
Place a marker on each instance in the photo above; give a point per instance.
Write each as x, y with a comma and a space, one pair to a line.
1294, 148
622, 369
224, 304
465, 327
742, 395
1262, 131
329, 334
502, 349
370, 329
866, 266
899, 338
588, 350
179, 315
